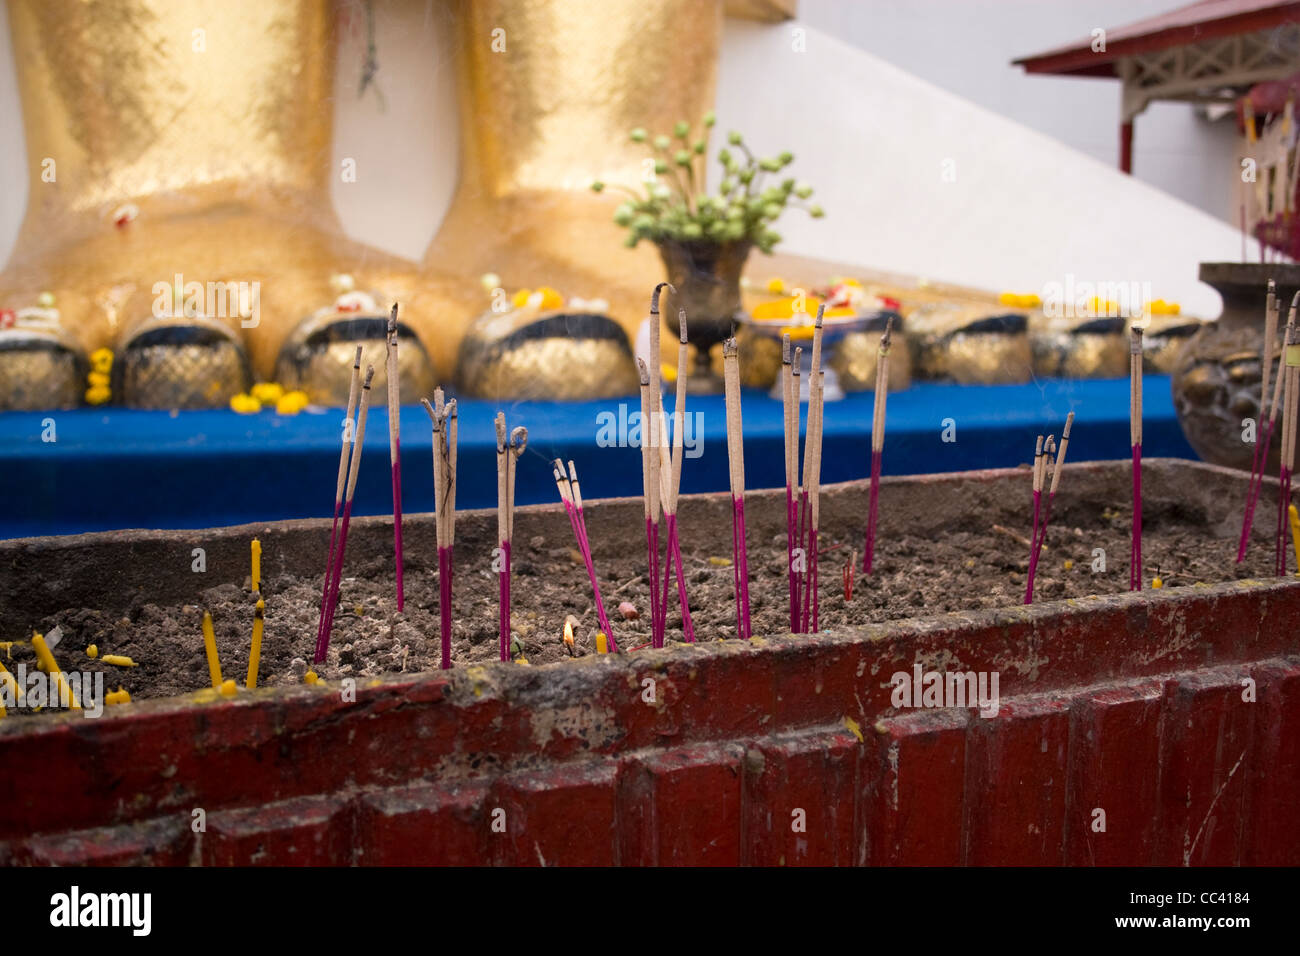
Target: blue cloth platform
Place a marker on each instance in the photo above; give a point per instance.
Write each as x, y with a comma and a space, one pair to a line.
118, 468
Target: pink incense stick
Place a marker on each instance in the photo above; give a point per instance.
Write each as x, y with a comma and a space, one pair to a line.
877, 444
1135, 434
671, 482
1290, 370
1042, 454
332, 599
813, 481
340, 490
443, 416
736, 463
650, 493
807, 526
395, 447
1041, 540
509, 448
571, 494
1275, 405
791, 402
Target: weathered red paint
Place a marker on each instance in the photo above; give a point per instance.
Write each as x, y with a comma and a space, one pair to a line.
1133, 704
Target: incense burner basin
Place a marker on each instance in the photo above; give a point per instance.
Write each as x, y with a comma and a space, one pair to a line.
1218, 373
1125, 700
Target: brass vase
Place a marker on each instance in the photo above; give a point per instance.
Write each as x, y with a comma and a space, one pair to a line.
706, 276
1216, 379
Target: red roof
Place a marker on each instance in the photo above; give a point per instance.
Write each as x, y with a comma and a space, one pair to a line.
1194, 23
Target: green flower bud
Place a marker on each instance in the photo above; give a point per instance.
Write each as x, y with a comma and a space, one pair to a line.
734, 138
803, 191
623, 214
700, 147
683, 158
746, 175
632, 240
660, 167
786, 158
816, 212
638, 135
692, 230
643, 223
597, 186
724, 157
682, 129
726, 186
769, 165
709, 119
771, 211
661, 142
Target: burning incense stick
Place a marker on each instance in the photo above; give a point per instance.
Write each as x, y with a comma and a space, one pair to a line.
1270, 333
790, 407
340, 487
210, 649
650, 493
509, 448
363, 409
877, 443
395, 447
793, 542
1257, 476
1135, 435
571, 495
255, 651
736, 461
813, 452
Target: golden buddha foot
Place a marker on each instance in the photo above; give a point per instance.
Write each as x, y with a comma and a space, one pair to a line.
549, 92
179, 226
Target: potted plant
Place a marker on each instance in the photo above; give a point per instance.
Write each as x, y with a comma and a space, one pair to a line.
705, 238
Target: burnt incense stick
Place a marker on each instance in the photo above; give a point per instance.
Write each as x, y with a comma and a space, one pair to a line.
363, 408
673, 476
804, 511
1270, 333
650, 496
794, 544
736, 463
1290, 370
1275, 405
1036, 499
877, 443
503, 539
791, 448
1054, 460
1135, 435
571, 494
813, 451
344, 450
395, 447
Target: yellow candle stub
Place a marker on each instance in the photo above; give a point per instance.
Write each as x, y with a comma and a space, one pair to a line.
602, 643
255, 653
311, 678
229, 688
50, 667
1295, 534
257, 564
119, 696
210, 646
119, 660
92, 651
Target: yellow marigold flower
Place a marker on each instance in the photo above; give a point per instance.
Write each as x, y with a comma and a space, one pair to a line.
101, 359
245, 404
99, 379
291, 403
268, 393
97, 395
775, 285
785, 308
520, 298
550, 298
